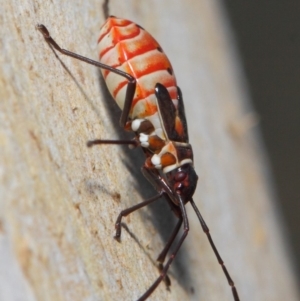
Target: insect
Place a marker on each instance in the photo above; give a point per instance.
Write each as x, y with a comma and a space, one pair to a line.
140, 78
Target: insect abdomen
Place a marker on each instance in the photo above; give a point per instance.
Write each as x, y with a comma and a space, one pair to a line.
126, 46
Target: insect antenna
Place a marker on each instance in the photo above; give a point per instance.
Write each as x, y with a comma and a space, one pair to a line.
221, 262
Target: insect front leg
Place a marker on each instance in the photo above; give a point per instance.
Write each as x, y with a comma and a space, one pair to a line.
162, 256
153, 176
165, 269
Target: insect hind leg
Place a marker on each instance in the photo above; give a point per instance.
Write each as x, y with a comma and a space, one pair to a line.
130, 90
105, 7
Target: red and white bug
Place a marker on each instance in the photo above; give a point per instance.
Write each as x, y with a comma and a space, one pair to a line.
140, 78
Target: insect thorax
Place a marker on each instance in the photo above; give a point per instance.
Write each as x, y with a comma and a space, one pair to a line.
166, 155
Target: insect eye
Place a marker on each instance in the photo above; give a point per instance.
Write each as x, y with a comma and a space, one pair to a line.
180, 176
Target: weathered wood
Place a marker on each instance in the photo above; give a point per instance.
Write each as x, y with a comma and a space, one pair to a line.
59, 199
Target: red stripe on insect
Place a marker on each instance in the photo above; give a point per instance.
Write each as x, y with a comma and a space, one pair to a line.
137, 46
167, 81
112, 22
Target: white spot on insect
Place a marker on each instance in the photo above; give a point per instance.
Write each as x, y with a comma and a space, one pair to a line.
143, 137
145, 144
136, 123
156, 161
144, 140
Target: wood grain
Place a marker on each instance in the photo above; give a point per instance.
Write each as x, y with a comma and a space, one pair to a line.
59, 199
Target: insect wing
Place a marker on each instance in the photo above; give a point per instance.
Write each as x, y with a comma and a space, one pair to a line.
181, 115
173, 121
167, 111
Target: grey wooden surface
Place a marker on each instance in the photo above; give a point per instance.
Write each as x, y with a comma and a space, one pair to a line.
59, 199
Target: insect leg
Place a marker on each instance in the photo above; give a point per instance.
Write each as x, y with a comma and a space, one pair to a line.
133, 142
153, 176
130, 210
221, 262
105, 8
131, 80
162, 256
173, 255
